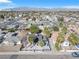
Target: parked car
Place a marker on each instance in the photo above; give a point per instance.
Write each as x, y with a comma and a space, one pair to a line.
3, 33
14, 34
1, 39
75, 54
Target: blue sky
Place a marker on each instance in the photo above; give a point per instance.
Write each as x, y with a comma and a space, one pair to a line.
40, 3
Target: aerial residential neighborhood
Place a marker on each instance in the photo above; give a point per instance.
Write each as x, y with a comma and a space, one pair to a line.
50, 31
39, 29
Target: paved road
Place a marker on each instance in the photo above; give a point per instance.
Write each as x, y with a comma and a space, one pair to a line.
37, 57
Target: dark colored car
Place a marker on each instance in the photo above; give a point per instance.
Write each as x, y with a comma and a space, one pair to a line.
75, 54
3, 33
14, 34
1, 39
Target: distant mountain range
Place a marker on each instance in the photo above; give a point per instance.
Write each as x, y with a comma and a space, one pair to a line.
39, 9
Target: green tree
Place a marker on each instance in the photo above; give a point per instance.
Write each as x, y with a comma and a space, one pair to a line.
2, 16
74, 40
33, 18
57, 46
61, 24
61, 19
47, 32
55, 28
64, 30
30, 39
59, 40
34, 29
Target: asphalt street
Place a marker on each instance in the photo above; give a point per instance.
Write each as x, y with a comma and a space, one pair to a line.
37, 57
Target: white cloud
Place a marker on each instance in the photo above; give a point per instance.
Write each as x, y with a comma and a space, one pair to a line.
7, 4
71, 7
5, 1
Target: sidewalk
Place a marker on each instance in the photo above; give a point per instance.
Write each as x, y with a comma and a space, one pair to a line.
26, 53
38, 53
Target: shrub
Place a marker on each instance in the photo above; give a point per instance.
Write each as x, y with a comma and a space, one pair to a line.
55, 28
11, 30
41, 43
30, 39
